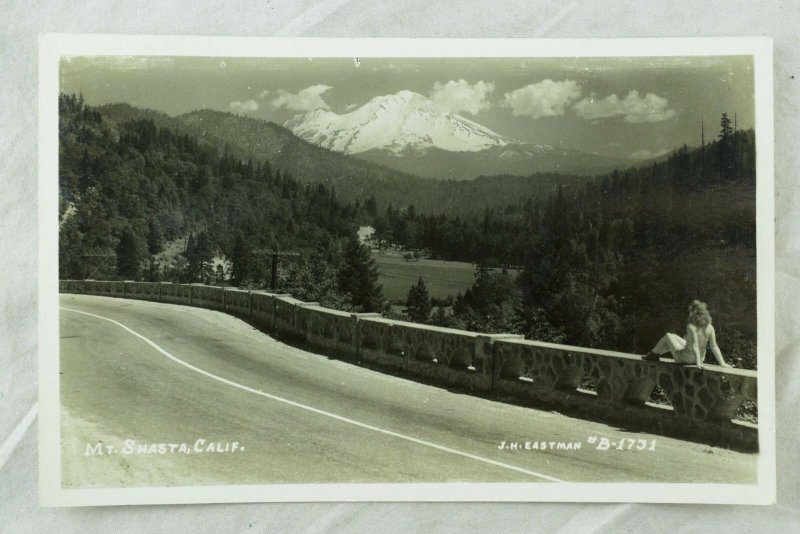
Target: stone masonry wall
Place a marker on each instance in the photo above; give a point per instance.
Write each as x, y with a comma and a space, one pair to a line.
704, 401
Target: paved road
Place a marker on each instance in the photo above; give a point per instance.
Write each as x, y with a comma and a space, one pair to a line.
172, 374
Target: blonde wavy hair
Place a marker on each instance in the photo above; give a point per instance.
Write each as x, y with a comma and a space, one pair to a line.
698, 314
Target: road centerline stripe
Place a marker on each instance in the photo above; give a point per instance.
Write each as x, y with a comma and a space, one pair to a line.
317, 410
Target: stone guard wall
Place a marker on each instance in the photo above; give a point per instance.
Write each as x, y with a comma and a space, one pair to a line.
175, 293
262, 309
332, 330
142, 290
207, 296
237, 302
704, 401
286, 321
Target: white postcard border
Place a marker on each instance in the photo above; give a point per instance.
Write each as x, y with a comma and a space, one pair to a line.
55, 46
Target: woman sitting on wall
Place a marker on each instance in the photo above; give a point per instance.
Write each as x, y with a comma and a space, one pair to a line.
699, 336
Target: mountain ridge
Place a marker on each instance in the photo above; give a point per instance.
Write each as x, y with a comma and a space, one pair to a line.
257, 139
354, 178
408, 132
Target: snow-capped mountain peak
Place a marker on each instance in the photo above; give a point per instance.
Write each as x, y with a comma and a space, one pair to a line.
402, 121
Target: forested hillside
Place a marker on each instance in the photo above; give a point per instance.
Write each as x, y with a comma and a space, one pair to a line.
615, 262
128, 188
353, 178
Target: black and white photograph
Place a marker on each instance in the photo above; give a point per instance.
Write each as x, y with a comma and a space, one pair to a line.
426, 270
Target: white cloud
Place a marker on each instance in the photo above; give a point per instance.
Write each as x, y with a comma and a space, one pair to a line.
247, 106
461, 96
647, 154
635, 109
544, 99
307, 99
263, 94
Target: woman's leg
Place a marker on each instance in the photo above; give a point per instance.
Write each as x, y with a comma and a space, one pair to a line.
664, 345
671, 343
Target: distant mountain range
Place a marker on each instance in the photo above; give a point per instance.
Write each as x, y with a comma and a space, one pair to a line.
408, 132
355, 176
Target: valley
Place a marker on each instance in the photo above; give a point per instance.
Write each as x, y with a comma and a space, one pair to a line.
443, 278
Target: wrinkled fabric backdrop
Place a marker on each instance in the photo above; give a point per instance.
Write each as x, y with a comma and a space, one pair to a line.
21, 23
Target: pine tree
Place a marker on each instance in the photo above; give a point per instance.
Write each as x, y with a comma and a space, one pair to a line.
371, 206
726, 150
153, 238
358, 277
441, 318
418, 302
85, 179
726, 131
383, 233
154, 245
240, 262
203, 253
129, 262
199, 251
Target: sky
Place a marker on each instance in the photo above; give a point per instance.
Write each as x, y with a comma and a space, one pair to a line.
627, 107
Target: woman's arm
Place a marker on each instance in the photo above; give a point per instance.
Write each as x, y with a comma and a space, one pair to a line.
712, 342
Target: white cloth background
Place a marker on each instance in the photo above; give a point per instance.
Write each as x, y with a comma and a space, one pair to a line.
22, 21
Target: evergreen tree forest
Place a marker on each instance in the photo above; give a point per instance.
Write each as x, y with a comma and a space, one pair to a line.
128, 189
612, 263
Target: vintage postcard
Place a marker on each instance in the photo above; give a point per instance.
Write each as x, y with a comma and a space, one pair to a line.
405, 270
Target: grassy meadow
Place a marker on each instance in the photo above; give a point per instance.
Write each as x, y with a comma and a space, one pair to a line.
444, 278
